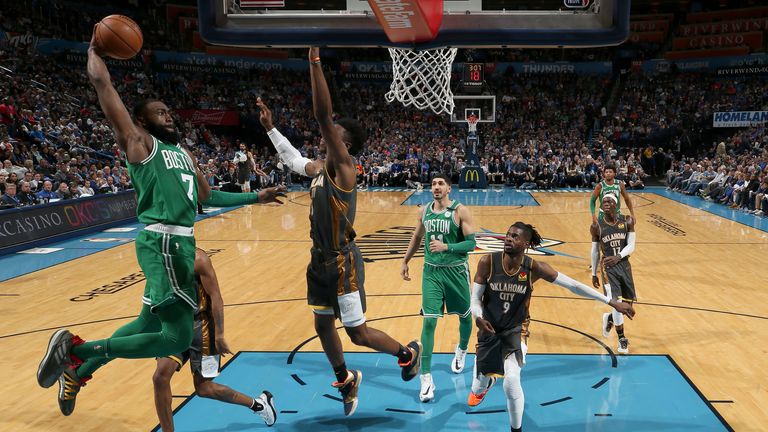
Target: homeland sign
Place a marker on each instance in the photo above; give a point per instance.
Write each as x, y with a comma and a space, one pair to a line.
739, 118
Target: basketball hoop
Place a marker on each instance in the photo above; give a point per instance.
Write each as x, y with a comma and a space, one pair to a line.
422, 78
472, 123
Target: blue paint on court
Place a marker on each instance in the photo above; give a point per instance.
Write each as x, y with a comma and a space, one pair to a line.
17, 264
642, 393
478, 197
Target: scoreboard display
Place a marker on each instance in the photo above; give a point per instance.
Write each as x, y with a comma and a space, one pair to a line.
474, 75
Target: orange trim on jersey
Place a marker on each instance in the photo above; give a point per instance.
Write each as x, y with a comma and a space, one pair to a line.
338, 208
524, 332
352, 273
325, 167
205, 329
334, 224
340, 281
490, 273
505, 269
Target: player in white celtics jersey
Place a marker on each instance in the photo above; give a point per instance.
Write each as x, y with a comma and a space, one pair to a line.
609, 185
449, 235
168, 185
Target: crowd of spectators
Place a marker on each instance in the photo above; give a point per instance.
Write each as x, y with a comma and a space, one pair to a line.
658, 108
551, 130
732, 173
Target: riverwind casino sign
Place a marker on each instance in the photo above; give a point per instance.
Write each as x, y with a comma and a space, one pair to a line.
25, 225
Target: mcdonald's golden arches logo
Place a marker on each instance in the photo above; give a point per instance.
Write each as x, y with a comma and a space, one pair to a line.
472, 175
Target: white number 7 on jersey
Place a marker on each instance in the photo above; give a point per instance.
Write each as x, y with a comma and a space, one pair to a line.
186, 178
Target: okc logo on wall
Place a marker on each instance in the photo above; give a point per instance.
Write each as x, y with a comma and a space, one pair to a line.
392, 243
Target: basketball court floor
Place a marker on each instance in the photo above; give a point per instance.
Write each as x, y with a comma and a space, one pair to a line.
697, 354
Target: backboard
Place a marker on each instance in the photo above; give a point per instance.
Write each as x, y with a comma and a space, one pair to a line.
483, 107
466, 23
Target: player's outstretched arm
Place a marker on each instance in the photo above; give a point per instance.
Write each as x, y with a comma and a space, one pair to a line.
337, 154
288, 153
229, 199
133, 141
545, 271
476, 297
628, 200
593, 200
594, 231
413, 245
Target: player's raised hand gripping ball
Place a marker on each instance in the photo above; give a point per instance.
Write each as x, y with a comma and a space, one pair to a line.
118, 36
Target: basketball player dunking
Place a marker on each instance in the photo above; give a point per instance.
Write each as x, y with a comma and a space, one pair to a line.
335, 274
609, 185
501, 297
614, 235
167, 180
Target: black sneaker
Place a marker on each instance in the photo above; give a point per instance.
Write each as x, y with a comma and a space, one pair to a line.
623, 345
607, 324
411, 369
348, 390
69, 386
268, 411
55, 359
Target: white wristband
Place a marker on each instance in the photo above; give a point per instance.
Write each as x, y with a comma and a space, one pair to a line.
476, 300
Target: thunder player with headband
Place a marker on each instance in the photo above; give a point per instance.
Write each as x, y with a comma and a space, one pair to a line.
501, 297
614, 235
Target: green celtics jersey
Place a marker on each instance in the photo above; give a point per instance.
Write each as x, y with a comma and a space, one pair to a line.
442, 226
614, 189
166, 190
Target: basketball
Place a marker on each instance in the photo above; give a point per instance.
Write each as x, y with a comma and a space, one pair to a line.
119, 37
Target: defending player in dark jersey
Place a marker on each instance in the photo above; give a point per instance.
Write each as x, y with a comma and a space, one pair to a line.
335, 275
204, 355
501, 296
614, 236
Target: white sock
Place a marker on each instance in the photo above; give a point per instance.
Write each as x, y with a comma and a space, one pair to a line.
514, 391
618, 318
479, 381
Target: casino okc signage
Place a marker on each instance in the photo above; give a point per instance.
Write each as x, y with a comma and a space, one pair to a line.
29, 224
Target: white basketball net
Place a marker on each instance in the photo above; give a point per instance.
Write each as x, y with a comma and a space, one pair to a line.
472, 123
422, 78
